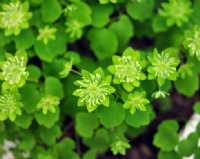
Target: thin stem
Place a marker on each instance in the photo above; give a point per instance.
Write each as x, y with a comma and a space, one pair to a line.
76, 72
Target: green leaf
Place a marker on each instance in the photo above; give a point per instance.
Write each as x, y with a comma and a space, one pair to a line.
140, 10
67, 144
27, 142
188, 146
191, 81
165, 143
65, 148
86, 124
91, 154
81, 13
140, 118
197, 154
49, 119
25, 39
101, 14
103, 42
24, 120
30, 97
2, 127
54, 87
100, 141
168, 155
34, 72
49, 135
159, 24
111, 120
51, 10
124, 23
197, 107
167, 128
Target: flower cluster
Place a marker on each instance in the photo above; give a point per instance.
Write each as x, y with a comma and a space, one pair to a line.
136, 101
192, 41
176, 12
14, 71
74, 29
46, 34
94, 89
14, 17
10, 106
162, 67
127, 69
48, 103
120, 146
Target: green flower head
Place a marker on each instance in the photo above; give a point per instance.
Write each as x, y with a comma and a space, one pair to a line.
192, 41
136, 101
47, 34
162, 66
14, 17
127, 69
10, 106
176, 12
120, 147
48, 103
94, 89
14, 71
107, 1
74, 29
159, 94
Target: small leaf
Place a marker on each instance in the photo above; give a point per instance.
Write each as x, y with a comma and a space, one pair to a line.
188, 146
140, 118
49, 119
54, 87
51, 10
191, 81
108, 119
86, 124
140, 10
103, 42
25, 39
49, 136
197, 107
100, 14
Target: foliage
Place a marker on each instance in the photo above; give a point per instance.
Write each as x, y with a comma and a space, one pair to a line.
80, 78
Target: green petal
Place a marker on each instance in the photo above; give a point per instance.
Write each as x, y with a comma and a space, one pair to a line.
106, 102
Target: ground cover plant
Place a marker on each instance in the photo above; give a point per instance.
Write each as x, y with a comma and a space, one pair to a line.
99, 79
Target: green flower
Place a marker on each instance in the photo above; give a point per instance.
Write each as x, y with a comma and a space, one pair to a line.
67, 68
74, 29
192, 41
48, 103
127, 69
94, 89
162, 67
120, 147
176, 12
10, 106
14, 71
46, 34
159, 94
135, 101
107, 1
14, 17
